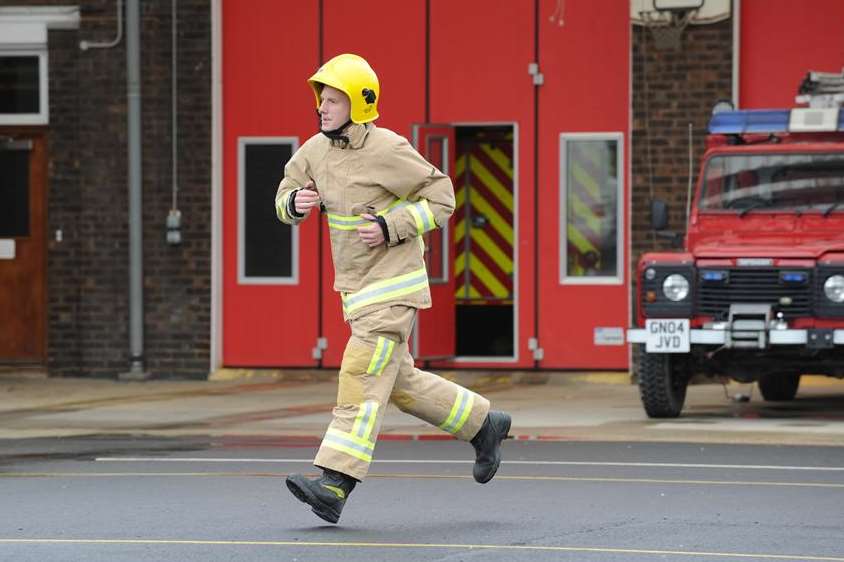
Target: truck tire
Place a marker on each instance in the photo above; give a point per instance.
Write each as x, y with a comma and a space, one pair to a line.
779, 387
662, 384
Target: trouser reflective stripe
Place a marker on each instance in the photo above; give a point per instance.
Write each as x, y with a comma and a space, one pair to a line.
383, 352
423, 216
459, 411
349, 444
385, 290
365, 420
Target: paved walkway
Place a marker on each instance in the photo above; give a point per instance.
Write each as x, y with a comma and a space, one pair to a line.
544, 406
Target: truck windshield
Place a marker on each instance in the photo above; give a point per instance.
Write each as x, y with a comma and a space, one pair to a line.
782, 182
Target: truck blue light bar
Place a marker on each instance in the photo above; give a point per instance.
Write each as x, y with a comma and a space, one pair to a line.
750, 121
756, 121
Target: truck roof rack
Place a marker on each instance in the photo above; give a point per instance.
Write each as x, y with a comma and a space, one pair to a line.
822, 90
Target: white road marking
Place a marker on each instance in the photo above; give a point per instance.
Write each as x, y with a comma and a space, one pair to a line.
447, 461
743, 483
392, 546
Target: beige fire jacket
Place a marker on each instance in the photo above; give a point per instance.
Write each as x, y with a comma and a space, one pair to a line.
379, 173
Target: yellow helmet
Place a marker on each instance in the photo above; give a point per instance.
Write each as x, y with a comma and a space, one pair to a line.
353, 76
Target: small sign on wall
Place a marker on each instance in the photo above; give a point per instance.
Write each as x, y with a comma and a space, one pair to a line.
609, 336
7, 249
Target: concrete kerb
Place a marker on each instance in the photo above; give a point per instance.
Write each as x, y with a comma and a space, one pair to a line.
474, 379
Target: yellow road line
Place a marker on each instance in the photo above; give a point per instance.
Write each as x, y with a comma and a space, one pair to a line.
251, 474
453, 546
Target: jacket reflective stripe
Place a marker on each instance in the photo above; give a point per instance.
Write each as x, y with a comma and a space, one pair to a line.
383, 352
423, 216
394, 206
340, 222
281, 208
365, 421
351, 222
459, 411
349, 444
385, 290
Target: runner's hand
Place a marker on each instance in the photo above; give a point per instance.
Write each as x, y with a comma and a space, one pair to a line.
371, 234
307, 199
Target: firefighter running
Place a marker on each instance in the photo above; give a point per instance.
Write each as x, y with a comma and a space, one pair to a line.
380, 196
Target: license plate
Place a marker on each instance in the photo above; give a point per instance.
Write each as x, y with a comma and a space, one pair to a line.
667, 336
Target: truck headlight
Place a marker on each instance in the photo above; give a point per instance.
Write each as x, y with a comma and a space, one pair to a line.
833, 288
676, 287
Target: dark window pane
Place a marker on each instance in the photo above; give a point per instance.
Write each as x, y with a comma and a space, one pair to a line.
19, 85
268, 243
14, 193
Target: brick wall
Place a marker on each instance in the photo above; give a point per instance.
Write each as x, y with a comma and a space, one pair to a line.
88, 269
670, 90
88, 272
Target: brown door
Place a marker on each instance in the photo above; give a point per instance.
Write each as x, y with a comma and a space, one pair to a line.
22, 247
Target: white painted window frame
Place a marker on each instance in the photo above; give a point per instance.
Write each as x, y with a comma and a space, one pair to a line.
43, 115
618, 278
242, 278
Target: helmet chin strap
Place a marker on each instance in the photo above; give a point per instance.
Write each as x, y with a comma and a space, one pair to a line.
337, 134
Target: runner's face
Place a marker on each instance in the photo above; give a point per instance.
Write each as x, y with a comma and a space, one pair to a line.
334, 109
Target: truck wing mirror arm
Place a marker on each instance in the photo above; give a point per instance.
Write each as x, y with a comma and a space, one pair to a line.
659, 214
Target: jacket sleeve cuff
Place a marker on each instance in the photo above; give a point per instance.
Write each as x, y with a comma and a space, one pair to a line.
291, 205
382, 222
393, 237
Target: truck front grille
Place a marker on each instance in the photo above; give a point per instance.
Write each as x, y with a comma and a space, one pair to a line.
754, 286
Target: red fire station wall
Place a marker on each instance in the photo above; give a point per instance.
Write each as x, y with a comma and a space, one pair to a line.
476, 73
269, 50
397, 52
781, 40
586, 96
479, 56
268, 47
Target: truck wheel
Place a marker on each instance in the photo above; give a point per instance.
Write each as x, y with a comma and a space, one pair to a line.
779, 387
662, 385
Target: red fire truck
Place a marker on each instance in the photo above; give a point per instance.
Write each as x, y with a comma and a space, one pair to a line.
757, 293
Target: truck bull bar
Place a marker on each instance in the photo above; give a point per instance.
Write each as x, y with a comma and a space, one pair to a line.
820, 338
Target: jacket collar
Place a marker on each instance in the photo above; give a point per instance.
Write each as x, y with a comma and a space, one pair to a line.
353, 136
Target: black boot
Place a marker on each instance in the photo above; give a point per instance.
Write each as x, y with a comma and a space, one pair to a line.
326, 495
487, 444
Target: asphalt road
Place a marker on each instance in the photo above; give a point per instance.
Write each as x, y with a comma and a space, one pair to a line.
212, 499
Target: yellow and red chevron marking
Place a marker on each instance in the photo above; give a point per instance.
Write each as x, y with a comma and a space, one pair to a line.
484, 174
585, 209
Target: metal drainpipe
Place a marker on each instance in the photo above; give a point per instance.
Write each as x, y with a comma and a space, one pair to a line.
136, 274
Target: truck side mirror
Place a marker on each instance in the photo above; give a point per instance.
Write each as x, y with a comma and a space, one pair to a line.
659, 214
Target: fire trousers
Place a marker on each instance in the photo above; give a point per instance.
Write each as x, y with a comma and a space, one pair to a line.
377, 368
